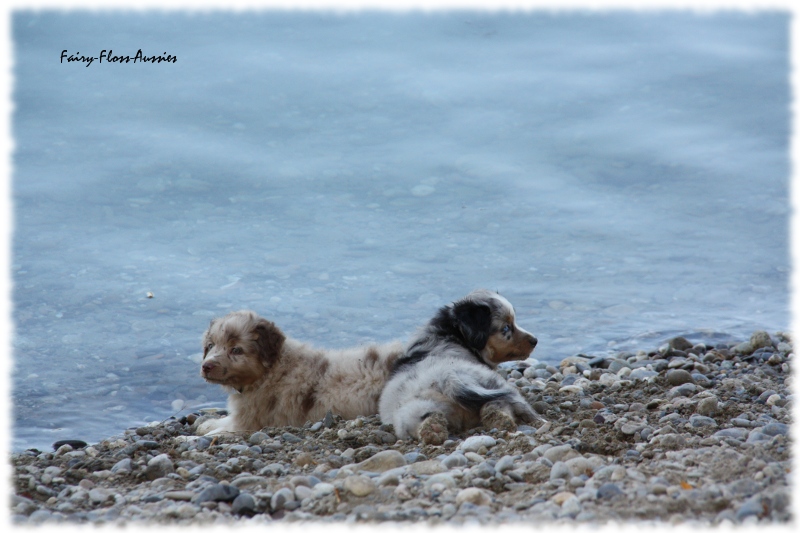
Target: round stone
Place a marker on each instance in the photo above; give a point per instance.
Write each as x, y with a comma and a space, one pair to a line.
760, 339
505, 463
122, 466
775, 428
293, 439
752, 507
359, 485
608, 378
579, 466
159, 466
248, 481
217, 493
474, 457
701, 380
773, 399
560, 453
183, 511
680, 343
444, 478
616, 365
571, 507
99, 496
474, 496
455, 459
244, 504
608, 490
670, 441
629, 428
642, 373
382, 461
303, 459
323, 489
679, 376
427, 467
699, 421
687, 389
560, 497
707, 406
734, 433
560, 470
476, 442
257, 438
301, 492
281, 498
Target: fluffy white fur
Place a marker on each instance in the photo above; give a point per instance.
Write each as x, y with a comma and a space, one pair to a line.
446, 380
278, 381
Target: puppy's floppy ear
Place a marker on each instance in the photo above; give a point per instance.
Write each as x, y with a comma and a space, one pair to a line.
474, 322
207, 336
269, 340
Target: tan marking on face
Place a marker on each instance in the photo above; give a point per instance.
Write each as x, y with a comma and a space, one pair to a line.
515, 346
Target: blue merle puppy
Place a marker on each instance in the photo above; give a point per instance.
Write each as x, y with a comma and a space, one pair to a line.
445, 381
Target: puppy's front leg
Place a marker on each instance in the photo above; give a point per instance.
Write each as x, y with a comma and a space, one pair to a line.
215, 426
433, 429
524, 413
498, 414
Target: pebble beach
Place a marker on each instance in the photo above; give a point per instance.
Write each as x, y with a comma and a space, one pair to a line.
682, 434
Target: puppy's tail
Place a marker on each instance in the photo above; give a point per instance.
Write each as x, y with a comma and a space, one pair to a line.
473, 396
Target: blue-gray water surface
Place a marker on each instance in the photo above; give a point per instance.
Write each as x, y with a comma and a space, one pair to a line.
621, 177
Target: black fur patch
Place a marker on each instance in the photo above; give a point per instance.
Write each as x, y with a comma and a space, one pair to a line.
408, 360
474, 322
474, 400
466, 323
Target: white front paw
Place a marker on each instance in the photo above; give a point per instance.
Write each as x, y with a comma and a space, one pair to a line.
214, 426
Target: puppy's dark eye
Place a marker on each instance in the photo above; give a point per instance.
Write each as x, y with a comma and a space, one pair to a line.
237, 350
209, 346
506, 329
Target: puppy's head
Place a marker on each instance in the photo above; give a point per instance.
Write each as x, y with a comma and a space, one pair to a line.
239, 348
488, 325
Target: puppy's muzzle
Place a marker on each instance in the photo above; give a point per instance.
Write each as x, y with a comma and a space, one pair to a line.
208, 367
533, 341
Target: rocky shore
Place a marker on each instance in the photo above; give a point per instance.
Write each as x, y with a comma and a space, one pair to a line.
681, 434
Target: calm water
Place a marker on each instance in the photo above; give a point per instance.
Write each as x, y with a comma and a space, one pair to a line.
621, 178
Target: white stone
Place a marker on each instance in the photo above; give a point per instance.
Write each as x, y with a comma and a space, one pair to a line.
476, 442
322, 489
359, 485
608, 378
382, 461
98, 496
773, 399
474, 496
571, 507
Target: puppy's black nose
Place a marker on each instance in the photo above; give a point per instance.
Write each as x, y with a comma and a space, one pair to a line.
533, 341
208, 367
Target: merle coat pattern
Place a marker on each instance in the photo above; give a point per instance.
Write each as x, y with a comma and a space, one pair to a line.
445, 381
